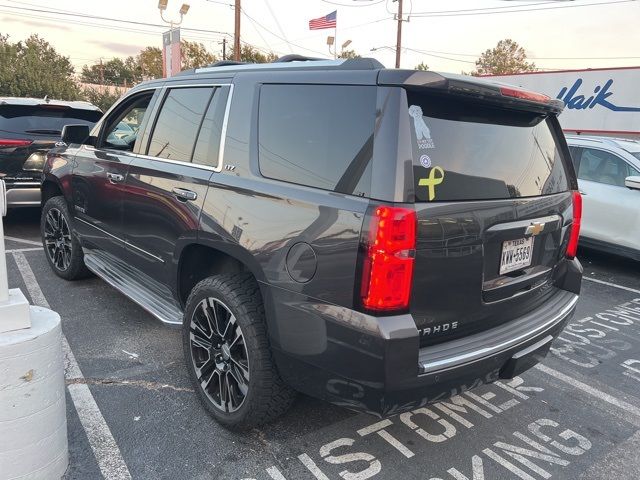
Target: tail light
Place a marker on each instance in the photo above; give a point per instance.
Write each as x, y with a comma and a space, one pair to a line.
572, 247
524, 94
11, 143
387, 272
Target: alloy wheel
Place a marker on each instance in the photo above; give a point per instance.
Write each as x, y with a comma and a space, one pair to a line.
219, 355
57, 239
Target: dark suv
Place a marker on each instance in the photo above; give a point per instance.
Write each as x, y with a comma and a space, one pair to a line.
377, 238
29, 127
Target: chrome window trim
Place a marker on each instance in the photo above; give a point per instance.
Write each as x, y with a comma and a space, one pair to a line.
124, 242
429, 367
164, 88
223, 131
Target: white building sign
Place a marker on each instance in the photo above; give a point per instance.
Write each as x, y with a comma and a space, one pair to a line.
599, 101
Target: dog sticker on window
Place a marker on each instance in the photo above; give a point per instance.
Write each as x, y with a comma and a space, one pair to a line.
423, 134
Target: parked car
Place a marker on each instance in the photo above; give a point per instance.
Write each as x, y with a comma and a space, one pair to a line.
609, 178
29, 127
380, 239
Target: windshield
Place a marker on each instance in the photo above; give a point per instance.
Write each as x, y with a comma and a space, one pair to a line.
470, 151
43, 119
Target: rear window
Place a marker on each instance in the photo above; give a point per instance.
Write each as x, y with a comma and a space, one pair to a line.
318, 135
45, 119
467, 151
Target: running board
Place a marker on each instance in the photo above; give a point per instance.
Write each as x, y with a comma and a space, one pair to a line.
154, 297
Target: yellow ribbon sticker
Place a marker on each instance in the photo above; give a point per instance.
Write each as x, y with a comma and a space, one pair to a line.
432, 181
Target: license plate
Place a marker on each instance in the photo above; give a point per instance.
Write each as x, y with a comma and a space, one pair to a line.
516, 254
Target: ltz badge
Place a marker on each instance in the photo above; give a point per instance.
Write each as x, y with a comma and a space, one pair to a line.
436, 177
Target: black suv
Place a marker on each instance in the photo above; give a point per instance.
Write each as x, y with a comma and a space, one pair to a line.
29, 127
377, 238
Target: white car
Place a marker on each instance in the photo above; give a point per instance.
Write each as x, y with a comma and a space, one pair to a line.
609, 179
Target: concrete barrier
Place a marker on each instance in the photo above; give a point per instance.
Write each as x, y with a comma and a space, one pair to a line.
33, 418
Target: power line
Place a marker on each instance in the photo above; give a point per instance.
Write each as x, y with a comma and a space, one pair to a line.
546, 2
275, 18
479, 12
109, 19
278, 36
354, 4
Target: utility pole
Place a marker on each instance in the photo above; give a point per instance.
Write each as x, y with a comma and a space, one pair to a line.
224, 49
236, 37
399, 34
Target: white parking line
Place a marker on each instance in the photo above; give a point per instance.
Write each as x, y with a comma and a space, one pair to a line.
621, 287
594, 392
101, 440
23, 240
32, 249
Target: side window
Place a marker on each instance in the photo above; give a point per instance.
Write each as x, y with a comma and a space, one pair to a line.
602, 167
208, 145
318, 135
576, 154
178, 122
121, 130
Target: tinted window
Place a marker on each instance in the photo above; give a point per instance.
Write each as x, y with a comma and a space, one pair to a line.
576, 153
178, 123
603, 167
123, 125
208, 144
318, 135
43, 119
465, 151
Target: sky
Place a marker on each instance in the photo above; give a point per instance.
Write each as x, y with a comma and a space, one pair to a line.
447, 35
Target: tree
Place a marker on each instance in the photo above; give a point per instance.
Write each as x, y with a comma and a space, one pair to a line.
422, 66
150, 61
113, 72
251, 54
348, 54
33, 68
195, 55
100, 97
506, 58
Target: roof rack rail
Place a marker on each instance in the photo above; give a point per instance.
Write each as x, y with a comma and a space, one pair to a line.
293, 57
224, 63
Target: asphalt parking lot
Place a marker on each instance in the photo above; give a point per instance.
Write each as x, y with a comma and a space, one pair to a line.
576, 416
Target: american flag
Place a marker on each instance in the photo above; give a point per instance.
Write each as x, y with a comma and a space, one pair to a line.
328, 21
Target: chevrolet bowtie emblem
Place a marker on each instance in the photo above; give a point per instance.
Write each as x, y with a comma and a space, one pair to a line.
534, 229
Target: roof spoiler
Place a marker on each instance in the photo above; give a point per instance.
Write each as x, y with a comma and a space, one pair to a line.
507, 96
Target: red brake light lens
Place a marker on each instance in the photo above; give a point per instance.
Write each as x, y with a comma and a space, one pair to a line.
572, 247
388, 266
10, 142
524, 95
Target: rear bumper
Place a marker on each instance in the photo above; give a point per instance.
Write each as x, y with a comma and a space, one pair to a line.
375, 364
25, 194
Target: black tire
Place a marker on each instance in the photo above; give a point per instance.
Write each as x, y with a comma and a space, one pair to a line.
65, 253
267, 396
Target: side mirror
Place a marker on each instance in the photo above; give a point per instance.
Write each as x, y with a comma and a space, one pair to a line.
75, 134
632, 182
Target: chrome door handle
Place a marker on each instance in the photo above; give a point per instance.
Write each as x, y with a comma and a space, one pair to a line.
184, 194
115, 177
